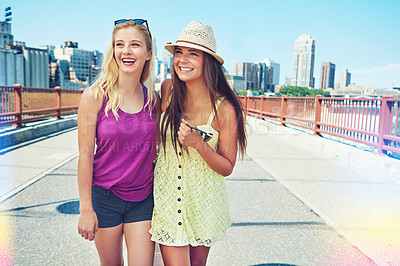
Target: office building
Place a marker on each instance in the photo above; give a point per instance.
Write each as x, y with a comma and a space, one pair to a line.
303, 62
96, 60
161, 70
168, 58
265, 77
344, 79
250, 73
164, 72
236, 82
276, 70
74, 68
327, 76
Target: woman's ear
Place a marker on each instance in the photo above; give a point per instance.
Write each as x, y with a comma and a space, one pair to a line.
149, 54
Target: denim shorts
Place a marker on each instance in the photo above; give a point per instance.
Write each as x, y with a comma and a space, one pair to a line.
111, 210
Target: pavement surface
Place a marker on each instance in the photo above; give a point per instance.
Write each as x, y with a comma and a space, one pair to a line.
295, 199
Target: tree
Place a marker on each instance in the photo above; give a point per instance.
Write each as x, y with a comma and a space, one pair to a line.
294, 91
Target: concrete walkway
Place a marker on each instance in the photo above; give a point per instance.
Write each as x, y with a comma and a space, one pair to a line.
295, 199
356, 192
27, 162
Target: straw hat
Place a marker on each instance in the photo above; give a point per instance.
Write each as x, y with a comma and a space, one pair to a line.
198, 36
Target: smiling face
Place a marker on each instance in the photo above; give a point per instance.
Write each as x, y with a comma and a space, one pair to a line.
130, 50
188, 63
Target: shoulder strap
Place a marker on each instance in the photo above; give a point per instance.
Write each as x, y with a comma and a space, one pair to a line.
212, 115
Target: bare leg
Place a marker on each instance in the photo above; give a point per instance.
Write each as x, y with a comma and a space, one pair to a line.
109, 245
140, 247
198, 255
175, 256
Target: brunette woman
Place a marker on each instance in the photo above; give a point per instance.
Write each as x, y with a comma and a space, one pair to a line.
202, 127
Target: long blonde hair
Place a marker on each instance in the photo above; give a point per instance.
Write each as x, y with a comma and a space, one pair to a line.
106, 83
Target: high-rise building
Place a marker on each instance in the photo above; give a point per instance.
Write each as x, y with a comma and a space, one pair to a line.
96, 60
236, 82
344, 79
327, 76
303, 62
167, 57
276, 70
250, 73
265, 77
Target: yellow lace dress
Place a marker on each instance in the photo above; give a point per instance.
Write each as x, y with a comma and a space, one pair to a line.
190, 201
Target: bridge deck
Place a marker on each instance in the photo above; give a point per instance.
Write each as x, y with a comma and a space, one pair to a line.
295, 199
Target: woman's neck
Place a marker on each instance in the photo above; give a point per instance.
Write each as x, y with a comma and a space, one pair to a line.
196, 91
128, 83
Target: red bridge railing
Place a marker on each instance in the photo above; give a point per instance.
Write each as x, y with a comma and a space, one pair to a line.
373, 122
19, 104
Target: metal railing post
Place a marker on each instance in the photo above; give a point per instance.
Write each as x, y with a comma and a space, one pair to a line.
318, 112
18, 104
385, 122
245, 105
262, 107
283, 110
58, 101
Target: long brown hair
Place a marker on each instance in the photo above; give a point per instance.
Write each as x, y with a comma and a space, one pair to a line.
215, 77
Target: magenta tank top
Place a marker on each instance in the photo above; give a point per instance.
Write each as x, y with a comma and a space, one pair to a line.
125, 152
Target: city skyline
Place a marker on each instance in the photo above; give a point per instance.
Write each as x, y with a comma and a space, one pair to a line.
360, 36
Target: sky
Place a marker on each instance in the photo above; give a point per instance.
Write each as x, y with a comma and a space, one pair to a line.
362, 36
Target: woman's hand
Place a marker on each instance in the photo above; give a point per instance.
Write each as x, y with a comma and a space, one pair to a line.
88, 224
188, 136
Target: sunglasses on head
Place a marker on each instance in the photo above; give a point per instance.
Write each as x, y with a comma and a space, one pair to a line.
135, 20
206, 136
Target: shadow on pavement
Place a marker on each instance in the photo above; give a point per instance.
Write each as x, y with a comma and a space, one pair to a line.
7, 149
67, 207
71, 207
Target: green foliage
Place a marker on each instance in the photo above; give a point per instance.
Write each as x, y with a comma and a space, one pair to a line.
294, 91
321, 92
258, 92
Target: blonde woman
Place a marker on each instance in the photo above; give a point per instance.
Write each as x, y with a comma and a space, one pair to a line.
118, 116
202, 128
